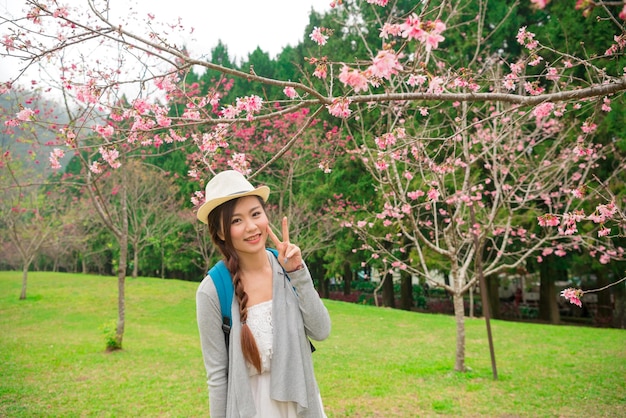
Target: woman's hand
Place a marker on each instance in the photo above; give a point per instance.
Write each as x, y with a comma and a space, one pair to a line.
289, 255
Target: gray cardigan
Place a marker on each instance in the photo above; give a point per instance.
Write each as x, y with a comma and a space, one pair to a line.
297, 312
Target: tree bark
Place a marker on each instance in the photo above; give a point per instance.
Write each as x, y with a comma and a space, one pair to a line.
388, 296
604, 312
24, 280
548, 307
406, 291
347, 278
121, 272
493, 284
619, 313
135, 261
459, 316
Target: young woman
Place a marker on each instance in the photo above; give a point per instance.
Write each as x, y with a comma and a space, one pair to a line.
266, 370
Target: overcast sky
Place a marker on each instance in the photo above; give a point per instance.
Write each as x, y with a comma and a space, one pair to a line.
242, 25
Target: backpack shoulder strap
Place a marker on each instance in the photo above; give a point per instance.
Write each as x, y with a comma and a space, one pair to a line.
224, 286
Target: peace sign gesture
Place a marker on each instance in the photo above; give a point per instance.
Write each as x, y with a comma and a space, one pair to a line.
289, 255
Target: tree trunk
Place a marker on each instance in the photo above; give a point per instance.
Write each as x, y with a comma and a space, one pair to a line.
493, 284
459, 316
325, 288
121, 293
619, 314
548, 307
604, 312
347, 278
162, 262
121, 272
24, 280
406, 291
135, 261
388, 296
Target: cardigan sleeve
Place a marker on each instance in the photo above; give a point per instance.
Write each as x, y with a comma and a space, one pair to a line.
214, 352
314, 313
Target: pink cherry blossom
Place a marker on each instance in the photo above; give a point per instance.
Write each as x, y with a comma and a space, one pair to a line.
105, 131
385, 140
230, 112
526, 38
381, 165
110, 156
25, 114
318, 36
548, 220
167, 83
411, 28
540, 4
55, 155
353, 78
432, 39
573, 296
416, 80
95, 167
436, 85
197, 199
588, 127
321, 71
415, 194
390, 29
239, 163
340, 108
433, 194
385, 64
7, 42
543, 110
86, 93
163, 121
290, 92
381, 3
552, 74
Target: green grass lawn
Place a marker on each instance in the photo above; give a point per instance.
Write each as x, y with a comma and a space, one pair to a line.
377, 362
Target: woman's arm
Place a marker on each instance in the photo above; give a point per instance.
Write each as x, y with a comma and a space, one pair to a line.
214, 350
314, 313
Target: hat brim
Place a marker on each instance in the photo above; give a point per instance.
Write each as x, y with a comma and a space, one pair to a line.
203, 211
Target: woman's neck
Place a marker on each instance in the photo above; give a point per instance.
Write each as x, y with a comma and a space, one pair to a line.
253, 262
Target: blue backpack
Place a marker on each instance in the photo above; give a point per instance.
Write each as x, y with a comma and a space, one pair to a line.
225, 290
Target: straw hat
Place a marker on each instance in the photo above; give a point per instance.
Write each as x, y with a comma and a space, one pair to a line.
225, 186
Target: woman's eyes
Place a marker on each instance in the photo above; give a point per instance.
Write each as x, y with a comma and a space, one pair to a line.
255, 214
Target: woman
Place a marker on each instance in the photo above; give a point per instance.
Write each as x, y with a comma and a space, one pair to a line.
274, 311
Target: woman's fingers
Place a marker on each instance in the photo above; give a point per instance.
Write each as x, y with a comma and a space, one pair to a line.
285, 230
273, 237
289, 254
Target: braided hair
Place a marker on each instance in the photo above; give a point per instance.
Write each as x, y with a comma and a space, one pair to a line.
222, 216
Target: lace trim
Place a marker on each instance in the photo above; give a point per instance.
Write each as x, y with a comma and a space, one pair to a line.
260, 323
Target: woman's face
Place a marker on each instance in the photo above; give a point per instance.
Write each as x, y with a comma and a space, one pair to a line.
248, 225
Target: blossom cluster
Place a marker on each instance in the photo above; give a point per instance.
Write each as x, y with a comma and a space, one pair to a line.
573, 296
567, 223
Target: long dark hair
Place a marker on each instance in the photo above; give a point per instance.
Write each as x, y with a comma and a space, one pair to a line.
219, 221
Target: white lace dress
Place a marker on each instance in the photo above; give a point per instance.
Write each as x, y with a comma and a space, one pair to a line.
260, 323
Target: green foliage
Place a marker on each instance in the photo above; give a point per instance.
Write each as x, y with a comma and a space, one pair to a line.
110, 336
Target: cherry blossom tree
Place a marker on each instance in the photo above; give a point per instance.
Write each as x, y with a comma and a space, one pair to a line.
489, 137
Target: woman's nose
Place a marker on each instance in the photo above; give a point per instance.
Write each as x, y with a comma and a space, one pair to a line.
250, 224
